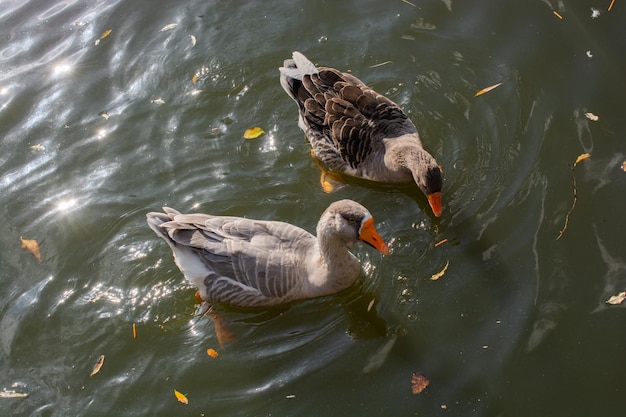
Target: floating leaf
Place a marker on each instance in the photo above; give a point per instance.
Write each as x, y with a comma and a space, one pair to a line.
557, 14
104, 35
624, 166
134, 331
193, 40
31, 246
611, 5
371, 304
104, 114
582, 157
181, 397
253, 133
11, 394
38, 147
592, 117
487, 89
169, 27
441, 242
418, 383
212, 353
441, 273
97, 366
194, 79
157, 100
617, 298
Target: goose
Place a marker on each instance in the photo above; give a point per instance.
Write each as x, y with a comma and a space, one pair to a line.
354, 130
257, 263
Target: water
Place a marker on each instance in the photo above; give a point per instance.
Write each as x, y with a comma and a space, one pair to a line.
95, 136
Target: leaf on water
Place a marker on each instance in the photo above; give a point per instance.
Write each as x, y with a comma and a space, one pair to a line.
193, 40
487, 89
617, 298
38, 147
441, 242
97, 366
194, 79
624, 166
31, 246
441, 273
134, 331
253, 133
611, 5
11, 394
104, 35
582, 157
557, 14
169, 27
157, 100
104, 114
370, 305
181, 397
212, 353
592, 117
418, 383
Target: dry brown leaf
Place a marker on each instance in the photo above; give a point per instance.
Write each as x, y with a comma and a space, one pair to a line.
441, 242
617, 298
418, 383
212, 353
97, 366
253, 133
181, 397
611, 5
31, 246
487, 89
134, 331
441, 273
557, 14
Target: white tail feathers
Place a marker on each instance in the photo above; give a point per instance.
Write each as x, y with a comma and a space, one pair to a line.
297, 67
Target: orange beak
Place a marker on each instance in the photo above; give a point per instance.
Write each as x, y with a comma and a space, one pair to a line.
368, 234
434, 200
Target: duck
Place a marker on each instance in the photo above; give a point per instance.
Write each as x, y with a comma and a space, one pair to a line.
356, 131
261, 263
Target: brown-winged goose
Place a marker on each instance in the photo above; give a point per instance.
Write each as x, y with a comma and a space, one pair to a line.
255, 263
357, 131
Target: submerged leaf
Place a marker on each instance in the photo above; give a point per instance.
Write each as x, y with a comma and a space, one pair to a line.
253, 133
31, 246
487, 89
418, 383
181, 397
97, 366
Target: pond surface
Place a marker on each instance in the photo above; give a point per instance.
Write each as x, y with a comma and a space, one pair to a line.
109, 110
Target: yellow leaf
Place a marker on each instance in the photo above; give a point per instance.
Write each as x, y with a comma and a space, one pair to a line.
104, 35
97, 366
582, 157
557, 14
181, 397
624, 166
487, 89
441, 273
212, 353
253, 133
31, 246
617, 298
194, 79
134, 331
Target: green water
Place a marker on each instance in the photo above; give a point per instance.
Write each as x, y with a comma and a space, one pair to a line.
96, 136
